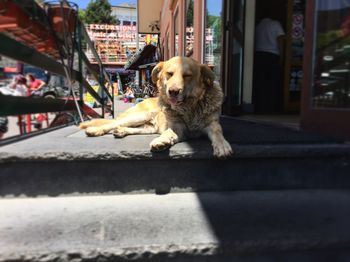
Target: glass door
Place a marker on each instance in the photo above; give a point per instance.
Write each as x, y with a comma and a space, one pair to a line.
237, 50
189, 29
176, 31
234, 53
326, 89
213, 36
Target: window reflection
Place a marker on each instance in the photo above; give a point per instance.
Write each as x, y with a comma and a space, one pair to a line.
176, 30
331, 87
189, 39
212, 43
167, 47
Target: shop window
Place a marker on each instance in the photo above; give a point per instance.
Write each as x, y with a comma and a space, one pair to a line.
296, 42
176, 32
331, 66
212, 35
189, 32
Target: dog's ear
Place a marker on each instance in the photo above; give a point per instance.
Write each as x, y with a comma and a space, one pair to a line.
155, 72
207, 75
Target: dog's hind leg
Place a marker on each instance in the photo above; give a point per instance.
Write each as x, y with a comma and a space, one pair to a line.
130, 120
95, 122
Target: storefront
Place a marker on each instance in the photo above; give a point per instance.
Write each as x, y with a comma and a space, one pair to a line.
315, 79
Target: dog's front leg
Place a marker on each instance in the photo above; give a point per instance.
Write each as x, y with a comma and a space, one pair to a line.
221, 148
168, 138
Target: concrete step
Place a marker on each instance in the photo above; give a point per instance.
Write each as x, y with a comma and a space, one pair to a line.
289, 225
66, 162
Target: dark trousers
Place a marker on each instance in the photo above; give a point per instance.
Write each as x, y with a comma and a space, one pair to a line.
267, 83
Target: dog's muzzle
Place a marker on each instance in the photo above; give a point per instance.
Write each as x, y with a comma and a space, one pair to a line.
175, 95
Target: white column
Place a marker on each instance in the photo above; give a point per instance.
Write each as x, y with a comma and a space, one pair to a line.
248, 51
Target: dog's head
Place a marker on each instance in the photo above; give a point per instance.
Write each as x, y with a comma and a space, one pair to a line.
181, 78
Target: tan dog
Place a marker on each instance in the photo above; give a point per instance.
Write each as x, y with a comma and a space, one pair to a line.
188, 105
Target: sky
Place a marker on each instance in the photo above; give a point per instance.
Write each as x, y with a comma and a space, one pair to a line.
213, 7
83, 3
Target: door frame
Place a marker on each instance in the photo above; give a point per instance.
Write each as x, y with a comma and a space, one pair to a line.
288, 105
332, 121
226, 61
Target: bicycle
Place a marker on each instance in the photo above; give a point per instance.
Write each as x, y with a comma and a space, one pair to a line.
148, 90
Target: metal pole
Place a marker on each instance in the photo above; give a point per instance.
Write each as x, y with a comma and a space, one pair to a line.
137, 73
81, 88
102, 93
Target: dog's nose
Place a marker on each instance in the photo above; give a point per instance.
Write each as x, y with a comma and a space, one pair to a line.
174, 92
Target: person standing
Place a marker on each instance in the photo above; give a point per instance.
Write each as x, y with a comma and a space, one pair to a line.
268, 62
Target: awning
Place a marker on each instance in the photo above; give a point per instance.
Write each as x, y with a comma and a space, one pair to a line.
144, 56
120, 71
148, 15
328, 5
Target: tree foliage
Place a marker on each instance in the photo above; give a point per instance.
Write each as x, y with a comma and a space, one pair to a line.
99, 12
82, 15
214, 22
189, 14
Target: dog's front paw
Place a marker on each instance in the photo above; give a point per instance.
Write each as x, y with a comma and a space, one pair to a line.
160, 144
119, 132
94, 131
222, 150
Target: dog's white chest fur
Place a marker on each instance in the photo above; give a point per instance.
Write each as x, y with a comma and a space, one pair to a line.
195, 116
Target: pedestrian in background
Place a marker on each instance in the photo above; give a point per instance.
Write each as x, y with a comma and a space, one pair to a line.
34, 83
129, 95
19, 86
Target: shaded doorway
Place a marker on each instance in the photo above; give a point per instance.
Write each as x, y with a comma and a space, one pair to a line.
240, 18
269, 56
281, 91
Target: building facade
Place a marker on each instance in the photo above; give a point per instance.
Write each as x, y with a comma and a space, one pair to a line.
115, 44
315, 76
125, 13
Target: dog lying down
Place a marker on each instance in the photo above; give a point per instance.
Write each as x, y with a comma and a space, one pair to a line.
188, 105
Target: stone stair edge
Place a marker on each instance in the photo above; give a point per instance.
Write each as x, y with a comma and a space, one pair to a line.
194, 252
317, 236
241, 151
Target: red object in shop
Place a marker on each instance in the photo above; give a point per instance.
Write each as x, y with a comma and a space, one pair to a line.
26, 29
10, 69
28, 123
63, 19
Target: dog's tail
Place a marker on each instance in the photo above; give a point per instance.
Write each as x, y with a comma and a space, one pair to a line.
95, 122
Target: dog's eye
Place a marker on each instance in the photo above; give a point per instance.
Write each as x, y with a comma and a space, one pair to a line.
169, 74
187, 75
